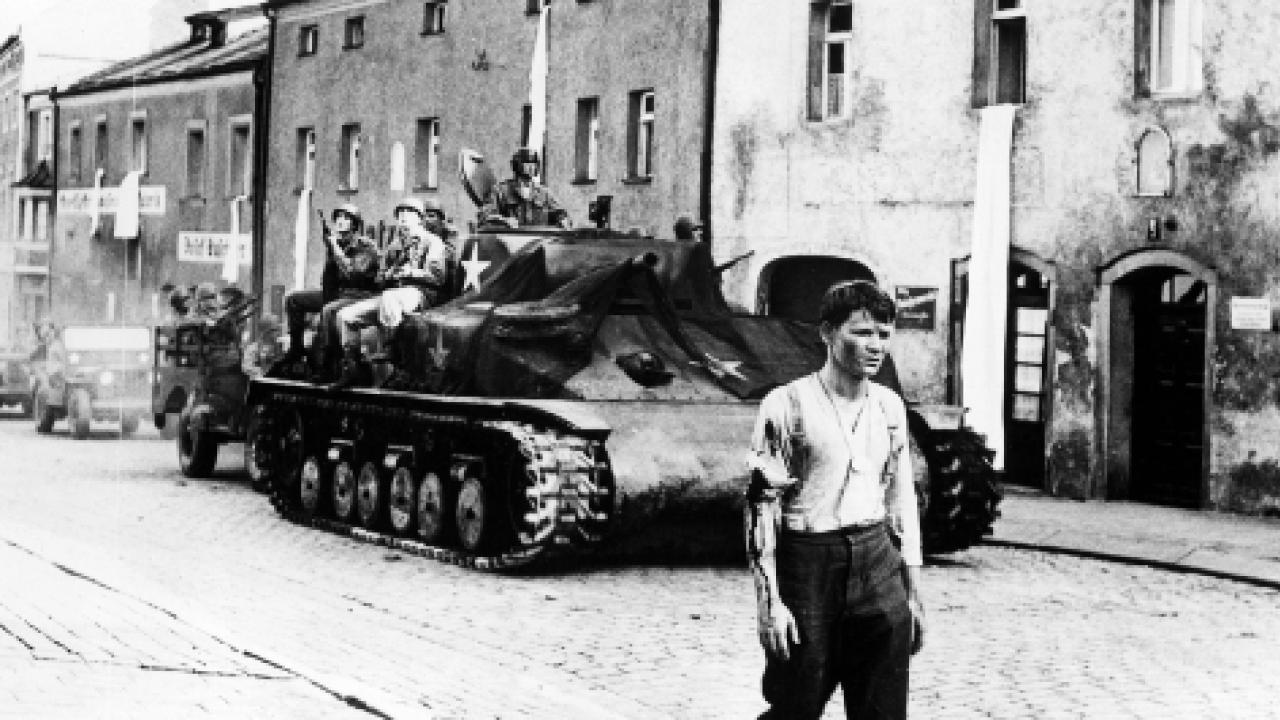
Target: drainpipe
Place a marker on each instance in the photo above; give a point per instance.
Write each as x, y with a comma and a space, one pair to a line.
262, 131
709, 114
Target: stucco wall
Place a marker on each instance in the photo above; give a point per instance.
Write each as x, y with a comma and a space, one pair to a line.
475, 78
892, 188
85, 269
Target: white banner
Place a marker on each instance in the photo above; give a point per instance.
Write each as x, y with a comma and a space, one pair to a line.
79, 201
211, 247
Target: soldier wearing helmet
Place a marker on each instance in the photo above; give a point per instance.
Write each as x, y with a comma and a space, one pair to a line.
414, 276
523, 200
350, 274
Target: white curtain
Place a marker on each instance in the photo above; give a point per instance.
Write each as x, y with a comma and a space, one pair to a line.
538, 69
982, 358
128, 206
231, 260
301, 229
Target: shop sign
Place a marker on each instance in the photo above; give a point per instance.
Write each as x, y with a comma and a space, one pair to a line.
211, 247
1250, 313
917, 307
79, 201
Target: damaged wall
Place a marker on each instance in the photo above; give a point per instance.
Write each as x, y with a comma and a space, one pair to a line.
892, 187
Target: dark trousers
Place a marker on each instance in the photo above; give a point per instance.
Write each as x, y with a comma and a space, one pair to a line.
846, 592
300, 302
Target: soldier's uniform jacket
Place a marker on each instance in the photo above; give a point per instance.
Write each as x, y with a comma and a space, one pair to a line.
537, 209
416, 258
356, 276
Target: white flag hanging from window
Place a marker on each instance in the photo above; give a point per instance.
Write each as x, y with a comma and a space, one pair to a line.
538, 88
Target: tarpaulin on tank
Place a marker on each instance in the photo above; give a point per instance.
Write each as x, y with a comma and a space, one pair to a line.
535, 336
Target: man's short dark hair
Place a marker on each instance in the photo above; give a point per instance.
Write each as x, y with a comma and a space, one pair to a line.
845, 298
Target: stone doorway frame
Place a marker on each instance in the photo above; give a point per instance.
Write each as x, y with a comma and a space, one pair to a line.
1102, 484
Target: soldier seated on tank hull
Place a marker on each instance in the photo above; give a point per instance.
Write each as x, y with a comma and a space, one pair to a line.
522, 200
413, 278
350, 275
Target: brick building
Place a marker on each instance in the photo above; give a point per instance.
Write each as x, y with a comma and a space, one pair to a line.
183, 117
372, 100
1140, 347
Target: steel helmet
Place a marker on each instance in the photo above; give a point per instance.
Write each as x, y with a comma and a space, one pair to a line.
351, 211
522, 156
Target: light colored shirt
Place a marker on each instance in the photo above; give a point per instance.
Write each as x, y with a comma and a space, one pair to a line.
842, 468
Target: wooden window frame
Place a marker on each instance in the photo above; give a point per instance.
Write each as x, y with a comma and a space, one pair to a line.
349, 158
198, 189
586, 164
353, 33
308, 40
435, 17
426, 154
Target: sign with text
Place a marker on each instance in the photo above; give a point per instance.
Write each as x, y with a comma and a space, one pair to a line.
211, 247
917, 307
1250, 313
79, 201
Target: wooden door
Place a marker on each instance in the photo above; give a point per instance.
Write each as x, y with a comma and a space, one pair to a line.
1025, 386
1168, 389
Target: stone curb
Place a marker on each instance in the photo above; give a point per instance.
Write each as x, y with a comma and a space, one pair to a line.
1132, 559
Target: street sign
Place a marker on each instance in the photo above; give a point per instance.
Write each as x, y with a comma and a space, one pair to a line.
917, 307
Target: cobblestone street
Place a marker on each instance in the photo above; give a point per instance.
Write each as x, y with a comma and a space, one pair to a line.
131, 592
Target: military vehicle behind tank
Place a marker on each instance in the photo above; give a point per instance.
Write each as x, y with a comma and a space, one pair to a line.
582, 382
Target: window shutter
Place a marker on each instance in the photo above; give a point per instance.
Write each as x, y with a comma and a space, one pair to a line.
1142, 48
981, 53
817, 54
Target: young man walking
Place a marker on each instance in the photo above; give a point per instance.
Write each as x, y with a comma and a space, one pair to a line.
833, 533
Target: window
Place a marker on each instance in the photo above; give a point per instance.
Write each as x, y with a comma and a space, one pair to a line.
433, 18
533, 7
75, 153
640, 135
353, 33
240, 166
1169, 52
195, 186
349, 158
304, 163
526, 123
830, 45
138, 143
587, 146
1155, 164
44, 136
426, 154
308, 40
1000, 52
100, 145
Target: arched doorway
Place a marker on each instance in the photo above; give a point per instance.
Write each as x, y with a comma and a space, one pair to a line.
1028, 373
1155, 313
792, 287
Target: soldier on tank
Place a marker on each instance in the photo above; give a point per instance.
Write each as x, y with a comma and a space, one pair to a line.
350, 275
413, 278
523, 200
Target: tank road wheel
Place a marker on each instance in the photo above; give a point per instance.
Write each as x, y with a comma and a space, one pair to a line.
433, 508
344, 491
81, 414
401, 501
474, 515
311, 487
42, 412
197, 450
372, 491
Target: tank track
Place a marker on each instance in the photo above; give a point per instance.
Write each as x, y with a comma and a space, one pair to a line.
565, 487
960, 493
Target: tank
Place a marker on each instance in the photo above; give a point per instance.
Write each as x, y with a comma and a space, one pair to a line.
582, 385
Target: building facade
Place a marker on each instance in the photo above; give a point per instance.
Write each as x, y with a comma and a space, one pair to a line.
177, 124
372, 100
1140, 346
